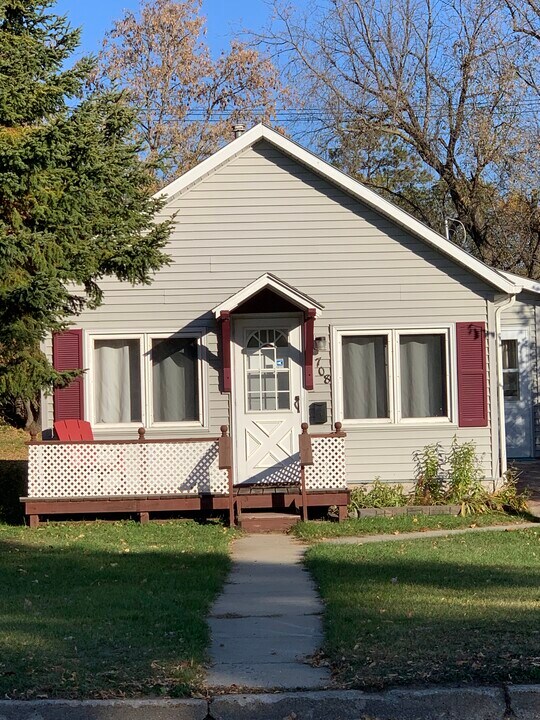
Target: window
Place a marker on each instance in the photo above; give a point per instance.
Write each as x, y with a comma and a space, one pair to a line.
390, 376
510, 369
146, 379
423, 376
365, 376
174, 379
117, 381
267, 370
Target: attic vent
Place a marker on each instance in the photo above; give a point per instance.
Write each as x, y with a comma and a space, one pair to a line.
238, 129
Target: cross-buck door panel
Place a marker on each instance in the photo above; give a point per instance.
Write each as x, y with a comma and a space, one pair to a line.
267, 400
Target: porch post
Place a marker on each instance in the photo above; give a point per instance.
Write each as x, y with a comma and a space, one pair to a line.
306, 458
225, 463
309, 333
225, 326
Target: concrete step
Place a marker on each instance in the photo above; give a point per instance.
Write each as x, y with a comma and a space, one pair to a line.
267, 522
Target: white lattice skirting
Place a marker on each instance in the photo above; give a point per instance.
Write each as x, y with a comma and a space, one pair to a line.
328, 470
110, 469
126, 469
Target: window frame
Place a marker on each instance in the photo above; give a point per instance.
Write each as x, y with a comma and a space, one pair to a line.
445, 419
147, 411
340, 410
201, 388
394, 375
514, 370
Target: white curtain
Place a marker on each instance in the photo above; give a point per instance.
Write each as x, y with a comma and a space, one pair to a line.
423, 376
175, 379
117, 381
365, 376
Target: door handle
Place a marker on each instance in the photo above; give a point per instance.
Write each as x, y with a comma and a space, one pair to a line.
297, 403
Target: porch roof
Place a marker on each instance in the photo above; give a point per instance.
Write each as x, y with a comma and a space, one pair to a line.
269, 282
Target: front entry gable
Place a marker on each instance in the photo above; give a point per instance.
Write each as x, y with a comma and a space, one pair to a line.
263, 284
268, 289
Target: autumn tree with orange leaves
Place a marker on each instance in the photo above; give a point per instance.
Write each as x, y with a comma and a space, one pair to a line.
186, 101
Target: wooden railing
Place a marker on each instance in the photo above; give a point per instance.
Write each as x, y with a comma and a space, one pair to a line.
322, 462
116, 468
226, 463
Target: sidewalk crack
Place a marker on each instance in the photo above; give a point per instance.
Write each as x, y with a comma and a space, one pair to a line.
509, 711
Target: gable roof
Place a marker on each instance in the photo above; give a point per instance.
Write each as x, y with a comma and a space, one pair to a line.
354, 188
271, 282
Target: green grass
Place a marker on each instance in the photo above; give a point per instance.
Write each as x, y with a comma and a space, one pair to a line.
107, 609
313, 531
13, 472
13, 443
456, 609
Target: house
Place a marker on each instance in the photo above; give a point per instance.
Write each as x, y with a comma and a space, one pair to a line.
295, 294
520, 336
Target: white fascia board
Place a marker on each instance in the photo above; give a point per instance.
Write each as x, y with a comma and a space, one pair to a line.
525, 283
211, 163
278, 286
352, 187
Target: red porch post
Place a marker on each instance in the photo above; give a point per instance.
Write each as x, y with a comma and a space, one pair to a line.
309, 333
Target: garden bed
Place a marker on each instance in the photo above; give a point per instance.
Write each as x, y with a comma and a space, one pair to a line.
409, 510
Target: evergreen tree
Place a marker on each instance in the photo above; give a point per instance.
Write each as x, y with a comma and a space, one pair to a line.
75, 197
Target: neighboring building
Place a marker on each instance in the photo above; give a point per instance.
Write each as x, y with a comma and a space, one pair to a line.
295, 294
520, 335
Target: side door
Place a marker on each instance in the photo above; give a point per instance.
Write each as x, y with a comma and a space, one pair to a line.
517, 373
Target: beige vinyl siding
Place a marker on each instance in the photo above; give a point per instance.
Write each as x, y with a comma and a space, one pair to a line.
263, 212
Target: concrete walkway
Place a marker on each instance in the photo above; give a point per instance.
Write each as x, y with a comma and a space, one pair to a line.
267, 622
422, 535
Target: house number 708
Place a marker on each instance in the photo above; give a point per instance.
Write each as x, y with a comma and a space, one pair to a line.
321, 370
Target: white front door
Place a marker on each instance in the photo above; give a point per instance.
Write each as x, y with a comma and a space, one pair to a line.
267, 399
517, 369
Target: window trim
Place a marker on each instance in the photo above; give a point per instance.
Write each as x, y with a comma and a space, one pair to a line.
390, 420
200, 384
445, 419
514, 370
394, 388
145, 338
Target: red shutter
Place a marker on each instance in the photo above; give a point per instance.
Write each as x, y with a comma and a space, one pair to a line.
67, 355
472, 374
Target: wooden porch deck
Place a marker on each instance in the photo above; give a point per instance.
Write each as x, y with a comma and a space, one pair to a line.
144, 506
60, 473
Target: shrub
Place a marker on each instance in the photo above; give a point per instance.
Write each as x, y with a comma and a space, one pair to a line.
380, 495
456, 477
428, 473
508, 497
465, 478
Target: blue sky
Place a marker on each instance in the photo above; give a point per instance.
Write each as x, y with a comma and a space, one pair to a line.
224, 18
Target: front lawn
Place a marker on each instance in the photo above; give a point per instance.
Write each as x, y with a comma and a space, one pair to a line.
318, 530
107, 609
445, 610
13, 472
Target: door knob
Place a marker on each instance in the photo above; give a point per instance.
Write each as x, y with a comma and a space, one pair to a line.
297, 403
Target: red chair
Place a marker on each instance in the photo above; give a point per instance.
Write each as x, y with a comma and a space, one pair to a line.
73, 430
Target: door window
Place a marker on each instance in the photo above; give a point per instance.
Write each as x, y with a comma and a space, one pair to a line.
267, 368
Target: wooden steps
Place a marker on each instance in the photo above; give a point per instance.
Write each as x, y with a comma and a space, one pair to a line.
267, 522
